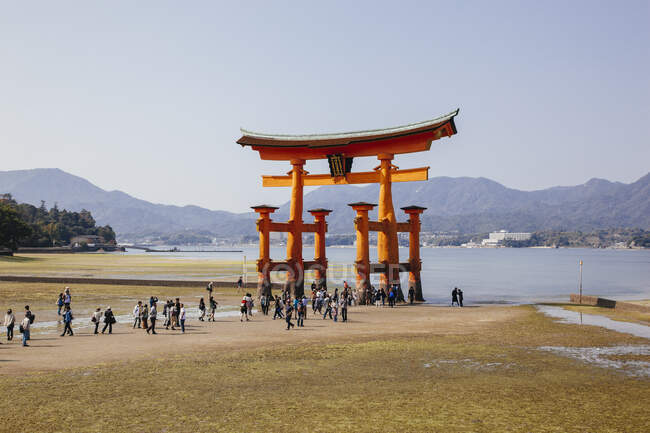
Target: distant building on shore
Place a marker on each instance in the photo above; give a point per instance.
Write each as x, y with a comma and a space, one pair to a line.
496, 238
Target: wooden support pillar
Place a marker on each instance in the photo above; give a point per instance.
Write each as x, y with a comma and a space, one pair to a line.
362, 264
387, 245
415, 263
320, 269
295, 275
264, 261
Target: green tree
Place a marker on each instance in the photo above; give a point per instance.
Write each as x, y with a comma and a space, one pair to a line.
12, 228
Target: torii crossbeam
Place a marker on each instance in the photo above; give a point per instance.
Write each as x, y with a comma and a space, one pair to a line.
339, 150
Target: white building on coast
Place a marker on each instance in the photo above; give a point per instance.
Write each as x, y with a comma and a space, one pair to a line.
496, 238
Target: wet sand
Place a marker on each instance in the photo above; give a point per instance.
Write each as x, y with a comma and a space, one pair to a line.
49, 351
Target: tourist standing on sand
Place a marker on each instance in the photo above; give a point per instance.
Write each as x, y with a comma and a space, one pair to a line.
411, 295
278, 308
24, 328
240, 284
136, 314
305, 302
67, 320
144, 315
460, 298
391, 298
10, 320
152, 318
328, 307
181, 316
213, 308
263, 304
344, 309
288, 311
30, 316
177, 312
96, 318
109, 319
202, 310
454, 297
302, 310
209, 289
67, 298
59, 304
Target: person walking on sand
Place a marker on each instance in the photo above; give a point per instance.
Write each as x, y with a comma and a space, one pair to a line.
181, 316
10, 320
454, 297
249, 304
263, 304
460, 298
109, 319
152, 319
67, 320
24, 328
177, 313
213, 308
344, 309
328, 307
301, 312
172, 316
411, 295
202, 310
288, 311
31, 317
243, 310
96, 318
136, 313
240, 284
209, 289
59, 304
278, 308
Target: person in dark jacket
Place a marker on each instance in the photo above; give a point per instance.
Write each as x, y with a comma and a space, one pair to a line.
411, 295
109, 319
454, 297
460, 297
67, 320
152, 319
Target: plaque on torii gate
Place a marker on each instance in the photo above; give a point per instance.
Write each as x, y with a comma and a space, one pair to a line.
340, 149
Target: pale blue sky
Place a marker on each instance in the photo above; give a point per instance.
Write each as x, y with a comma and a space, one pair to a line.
148, 97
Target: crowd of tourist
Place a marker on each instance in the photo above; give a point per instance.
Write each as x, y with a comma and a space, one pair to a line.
324, 304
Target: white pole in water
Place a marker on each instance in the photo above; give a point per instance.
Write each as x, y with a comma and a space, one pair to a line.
580, 282
244, 272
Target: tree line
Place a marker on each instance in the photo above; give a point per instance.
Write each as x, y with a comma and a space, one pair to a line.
25, 225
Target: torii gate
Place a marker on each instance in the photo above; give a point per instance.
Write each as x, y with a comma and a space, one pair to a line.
339, 150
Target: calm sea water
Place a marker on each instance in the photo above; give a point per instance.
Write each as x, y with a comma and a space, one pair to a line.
497, 275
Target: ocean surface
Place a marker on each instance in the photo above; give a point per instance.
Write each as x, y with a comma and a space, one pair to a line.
486, 275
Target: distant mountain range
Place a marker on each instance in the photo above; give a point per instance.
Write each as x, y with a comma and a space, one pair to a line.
466, 205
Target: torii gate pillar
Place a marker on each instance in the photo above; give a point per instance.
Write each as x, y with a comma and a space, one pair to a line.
387, 245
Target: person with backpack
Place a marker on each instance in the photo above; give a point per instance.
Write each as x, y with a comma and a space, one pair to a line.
109, 319
67, 320
96, 318
31, 317
243, 310
10, 320
24, 328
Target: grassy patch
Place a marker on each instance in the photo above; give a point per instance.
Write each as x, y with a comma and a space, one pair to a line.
492, 380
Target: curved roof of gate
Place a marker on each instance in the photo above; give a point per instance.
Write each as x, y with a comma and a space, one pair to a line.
315, 146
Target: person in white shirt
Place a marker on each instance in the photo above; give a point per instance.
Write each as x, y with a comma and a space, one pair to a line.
26, 324
97, 318
136, 314
181, 318
9, 323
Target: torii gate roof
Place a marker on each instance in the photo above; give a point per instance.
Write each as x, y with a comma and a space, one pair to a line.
414, 137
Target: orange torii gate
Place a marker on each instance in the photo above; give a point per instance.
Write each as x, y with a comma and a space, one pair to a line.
339, 150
